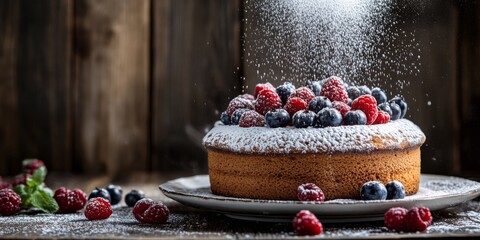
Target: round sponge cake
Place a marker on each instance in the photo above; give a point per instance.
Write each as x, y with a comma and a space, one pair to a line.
270, 163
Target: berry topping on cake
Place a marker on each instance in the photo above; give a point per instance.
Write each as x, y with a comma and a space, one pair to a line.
284, 91
31, 165
418, 219
70, 201
277, 118
355, 117
319, 103
386, 108
304, 93
10, 202
98, 209
238, 103
402, 104
151, 212
368, 105
237, 115
260, 87
115, 193
382, 118
310, 192
395, 219
329, 117
100, 192
247, 96
306, 223
373, 190
133, 197
224, 118
251, 119
396, 111
303, 119
295, 104
315, 86
364, 90
379, 95
395, 190
353, 92
342, 107
335, 90
267, 100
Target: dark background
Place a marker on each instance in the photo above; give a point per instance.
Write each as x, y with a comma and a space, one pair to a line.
117, 86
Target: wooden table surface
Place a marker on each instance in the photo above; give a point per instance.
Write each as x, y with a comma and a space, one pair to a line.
186, 222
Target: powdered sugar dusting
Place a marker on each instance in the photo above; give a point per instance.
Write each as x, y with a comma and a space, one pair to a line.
399, 134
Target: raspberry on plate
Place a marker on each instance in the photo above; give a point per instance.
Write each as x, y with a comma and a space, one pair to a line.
238, 103
304, 93
31, 165
334, 89
295, 104
267, 100
418, 219
149, 211
310, 192
342, 107
10, 202
262, 86
251, 119
383, 117
70, 201
368, 105
98, 209
306, 223
395, 219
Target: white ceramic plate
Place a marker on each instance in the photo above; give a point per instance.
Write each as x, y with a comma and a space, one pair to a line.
436, 192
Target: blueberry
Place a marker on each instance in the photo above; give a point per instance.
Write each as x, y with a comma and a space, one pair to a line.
379, 95
356, 117
115, 193
237, 114
386, 108
224, 118
395, 190
353, 92
315, 86
364, 90
277, 118
396, 111
284, 91
329, 117
373, 190
303, 119
401, 103
350, 102
100, 192
319, 103
133, 197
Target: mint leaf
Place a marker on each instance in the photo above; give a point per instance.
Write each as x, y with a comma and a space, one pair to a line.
43, 201
47, 190
39, 175
27, 162
24, 195
32, 183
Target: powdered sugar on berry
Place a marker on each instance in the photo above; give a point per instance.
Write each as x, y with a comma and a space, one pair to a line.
399, 134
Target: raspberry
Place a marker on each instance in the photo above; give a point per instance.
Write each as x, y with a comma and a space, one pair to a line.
418, 219
251, 119
21, 179
10, 202
395, 219
383, 117
31, 165
262, 86
238, 103
149, 211
304, 93
4, 184
310, 192
267, 100
70, 201
335, 90
368, 105
342, 107
295, 104
305, 223
97, 209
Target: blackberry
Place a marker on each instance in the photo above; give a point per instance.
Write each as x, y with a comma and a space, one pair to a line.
303, 119
319, 103
277, 118
355, 117
329, 117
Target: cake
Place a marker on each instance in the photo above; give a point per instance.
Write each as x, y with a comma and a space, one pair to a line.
264, 162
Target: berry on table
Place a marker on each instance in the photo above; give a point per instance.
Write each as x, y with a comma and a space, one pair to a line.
395, 190
310, 192
304, 93
306, 223
319, 103
224, 118
395, 219
262, 86
385, 107
379, 95
342, 107
364, 90
368, 105
115, 193
149, 211
315, 86
21, 179
418, 219
355, 117
401, 103
251, 119
31, 165
353, 92
295, 104
303, 119
238, 103
277, 118
4, 184
70, 201
267, 100
284, 91
237, 115
97, 209
100, 192
334, 89
373, 190
329, 117
10, 202
133, 197
382, 118
396, 111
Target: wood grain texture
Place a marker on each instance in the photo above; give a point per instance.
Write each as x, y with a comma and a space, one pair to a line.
111, 82
196, 55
